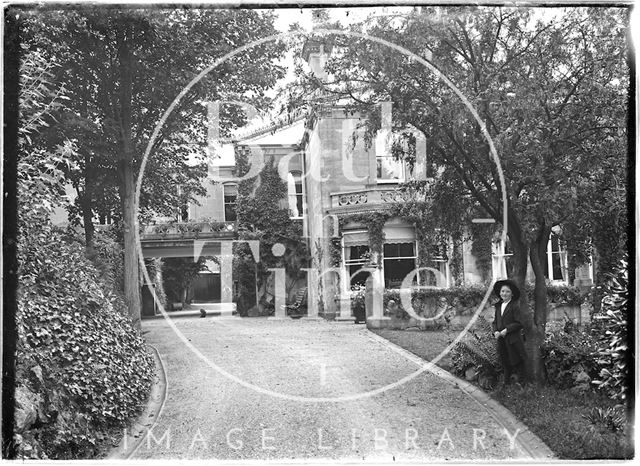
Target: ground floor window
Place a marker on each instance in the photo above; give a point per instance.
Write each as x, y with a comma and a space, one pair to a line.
355, 258
399, 261
439, 279
502, 259
557, 269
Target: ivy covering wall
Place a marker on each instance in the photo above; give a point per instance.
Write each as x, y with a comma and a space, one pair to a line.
263, 215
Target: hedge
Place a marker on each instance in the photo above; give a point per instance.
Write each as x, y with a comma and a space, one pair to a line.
464, 300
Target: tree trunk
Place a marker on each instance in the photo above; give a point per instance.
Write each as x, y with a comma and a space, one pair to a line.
87, 218
457, 269
520, 262
538, 256
183, 297
86, 201
131, 273
127, 178
534, 335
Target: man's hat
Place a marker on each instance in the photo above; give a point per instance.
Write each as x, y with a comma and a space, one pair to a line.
511, 284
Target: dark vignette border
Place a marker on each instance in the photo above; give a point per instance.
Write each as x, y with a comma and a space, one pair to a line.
9, 227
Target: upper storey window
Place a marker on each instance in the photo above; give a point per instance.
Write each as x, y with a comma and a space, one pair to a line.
230, 197
388, 169
295, 194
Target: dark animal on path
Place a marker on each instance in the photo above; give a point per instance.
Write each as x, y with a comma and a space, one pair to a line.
203, 313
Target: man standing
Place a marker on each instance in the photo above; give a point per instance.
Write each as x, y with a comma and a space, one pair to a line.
508, 331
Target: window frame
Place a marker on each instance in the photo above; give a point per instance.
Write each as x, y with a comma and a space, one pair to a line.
348, 263
401, 165
385, 258
295, 179
561, 254
498, 258
225, 203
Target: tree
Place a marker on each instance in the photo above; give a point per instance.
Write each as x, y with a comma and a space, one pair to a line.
68, 315
124, 67
178, 274
550, 89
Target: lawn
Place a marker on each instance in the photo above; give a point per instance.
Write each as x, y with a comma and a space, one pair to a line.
554, 415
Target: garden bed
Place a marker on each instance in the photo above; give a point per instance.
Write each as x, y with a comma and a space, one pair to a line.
558, 417
555, 415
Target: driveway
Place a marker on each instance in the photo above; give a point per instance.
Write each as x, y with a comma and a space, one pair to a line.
264, 389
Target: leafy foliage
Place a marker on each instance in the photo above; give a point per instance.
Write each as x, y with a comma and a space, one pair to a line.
462, 300
178, 274
569, 358
478, 351
81, 366
263, 216
612, 417
553, 103
123, 68
481, 238
612, 333
559, 418
108, 257
563, 294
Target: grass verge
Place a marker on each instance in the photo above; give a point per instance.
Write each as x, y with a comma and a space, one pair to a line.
553, 414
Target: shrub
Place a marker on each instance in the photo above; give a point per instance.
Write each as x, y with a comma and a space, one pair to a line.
611, 334
568, 358
463, 300
357, 303
108, 257
478, 351
612, 417
563, 294
82, 368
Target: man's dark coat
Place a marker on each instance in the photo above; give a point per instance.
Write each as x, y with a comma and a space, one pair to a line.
513, 342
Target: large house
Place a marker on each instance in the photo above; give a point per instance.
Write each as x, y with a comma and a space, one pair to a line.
334, 185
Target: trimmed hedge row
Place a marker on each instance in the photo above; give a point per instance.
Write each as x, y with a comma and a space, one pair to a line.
463, 300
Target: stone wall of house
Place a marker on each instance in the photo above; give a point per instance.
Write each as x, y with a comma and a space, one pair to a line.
212, 204
332, 162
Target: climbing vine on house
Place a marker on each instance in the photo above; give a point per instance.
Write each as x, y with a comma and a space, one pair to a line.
374, 221
481, 237
431, 242
264, 216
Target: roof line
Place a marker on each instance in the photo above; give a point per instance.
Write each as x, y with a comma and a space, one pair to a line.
282, 122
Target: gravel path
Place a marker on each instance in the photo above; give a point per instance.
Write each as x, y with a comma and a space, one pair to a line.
209, 415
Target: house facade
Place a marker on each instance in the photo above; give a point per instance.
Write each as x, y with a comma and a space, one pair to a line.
345, 193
